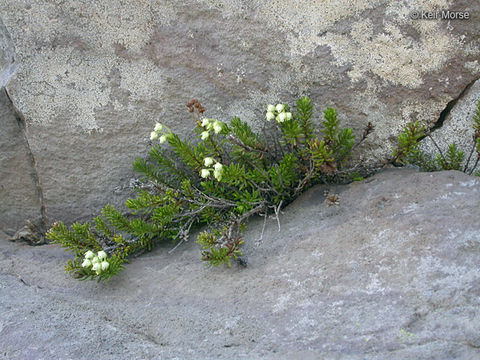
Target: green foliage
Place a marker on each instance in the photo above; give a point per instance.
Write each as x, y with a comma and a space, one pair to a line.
408, 149
452, 160
216, 253
219, 178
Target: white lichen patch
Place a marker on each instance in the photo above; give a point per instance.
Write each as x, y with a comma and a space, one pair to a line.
473, 66
52, 91
67, 78
142, 79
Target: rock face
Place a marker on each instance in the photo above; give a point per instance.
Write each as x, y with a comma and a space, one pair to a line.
95, 76
391, 273
457, 127
20, 193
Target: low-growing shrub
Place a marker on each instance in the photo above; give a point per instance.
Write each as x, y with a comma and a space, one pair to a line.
227, 174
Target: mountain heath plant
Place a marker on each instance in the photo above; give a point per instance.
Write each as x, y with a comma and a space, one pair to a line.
226, 175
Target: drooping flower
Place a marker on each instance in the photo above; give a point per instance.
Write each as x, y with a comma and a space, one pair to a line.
162, 139
86, 263
158, 127
102, 255
95, 260
289, 116
105, 265
208, 161
281, 117
217, 126
217, 173
205, 173
205, 122
270, 115
205, 135
153, 135
280, 107
271, 108
89, 254
96, 267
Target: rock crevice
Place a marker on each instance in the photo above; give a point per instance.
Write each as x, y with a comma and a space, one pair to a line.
450, 105
31, 160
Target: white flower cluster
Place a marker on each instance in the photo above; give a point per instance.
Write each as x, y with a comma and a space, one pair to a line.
278, 113
209, 125
160, 132
98, 262
217, 169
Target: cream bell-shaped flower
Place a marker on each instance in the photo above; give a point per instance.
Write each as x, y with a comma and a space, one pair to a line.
89, 254
86, 263
162, 139
158, 127
205, 135
95, 260
102, 255
217, 126
270, 115
105, 265
205, 122
281, 117
280, 107
271, 108
217, 175
153, 135
208, 161
205, 173
96, 267
218, 166
289, 116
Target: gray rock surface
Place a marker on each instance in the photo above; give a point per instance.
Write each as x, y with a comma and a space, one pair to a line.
458, 127
95, 76
19, 192
391, 273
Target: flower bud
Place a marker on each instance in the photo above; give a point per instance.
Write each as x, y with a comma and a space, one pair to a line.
102, 255
289, 116
205, 135
158, 127
162, 139
105, 265
280, 107
270, 108
86, 263
205, 173
270, 115
281, 117
89, 254
208, 161
153, 135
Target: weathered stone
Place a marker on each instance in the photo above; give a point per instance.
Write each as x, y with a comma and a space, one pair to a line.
95, 76
32, 233
457, 127
19, 193
391, 273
